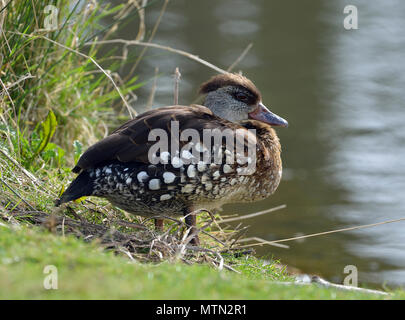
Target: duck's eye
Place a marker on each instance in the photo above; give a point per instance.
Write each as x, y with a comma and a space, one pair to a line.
241, 97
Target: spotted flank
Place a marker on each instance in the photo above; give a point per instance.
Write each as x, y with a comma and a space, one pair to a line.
146, 189
172, 183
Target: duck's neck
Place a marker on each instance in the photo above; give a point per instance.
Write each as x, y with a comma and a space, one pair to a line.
268, 144
263, 131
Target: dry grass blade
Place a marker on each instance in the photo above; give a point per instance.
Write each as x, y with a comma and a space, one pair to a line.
177, 76
141, 12
151, 98
3, 7
240, 58
327, 284
21, 79
158, 46
262, 242
132, 225
329, 232
214, 238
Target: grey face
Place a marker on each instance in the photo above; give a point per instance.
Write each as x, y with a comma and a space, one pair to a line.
232, 103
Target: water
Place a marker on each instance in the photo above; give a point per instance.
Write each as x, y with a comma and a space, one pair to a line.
342, 92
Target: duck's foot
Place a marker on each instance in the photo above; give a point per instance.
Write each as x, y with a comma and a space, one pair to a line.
191, 223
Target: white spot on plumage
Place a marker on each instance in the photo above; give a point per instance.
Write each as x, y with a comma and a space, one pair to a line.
154, 184
164, 197
229, 157
142, 176
200, 147
233, 181
219, 153
168, 177
201, 166
240, 160
176, 162
191, 172
227, 168
107, 170
128, 181
164, 156
185, 154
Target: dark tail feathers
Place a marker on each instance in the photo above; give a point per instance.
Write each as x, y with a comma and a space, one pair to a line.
80, 187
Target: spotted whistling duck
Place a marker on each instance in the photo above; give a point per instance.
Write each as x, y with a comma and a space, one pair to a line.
129, 169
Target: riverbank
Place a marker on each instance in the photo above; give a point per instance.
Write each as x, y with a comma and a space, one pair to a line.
86, 271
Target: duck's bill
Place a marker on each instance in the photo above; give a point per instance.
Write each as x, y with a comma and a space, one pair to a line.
265, 115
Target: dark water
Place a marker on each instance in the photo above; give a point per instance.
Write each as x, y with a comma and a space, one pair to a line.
343, 94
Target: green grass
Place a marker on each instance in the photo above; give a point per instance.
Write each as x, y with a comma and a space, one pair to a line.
85, 271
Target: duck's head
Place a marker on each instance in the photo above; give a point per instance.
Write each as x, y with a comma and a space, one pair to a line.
235, 98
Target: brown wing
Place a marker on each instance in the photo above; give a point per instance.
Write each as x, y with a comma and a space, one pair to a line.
129, 143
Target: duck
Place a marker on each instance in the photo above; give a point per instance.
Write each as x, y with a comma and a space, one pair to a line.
172, 161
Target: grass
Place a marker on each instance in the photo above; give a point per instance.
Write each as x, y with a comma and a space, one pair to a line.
85, 271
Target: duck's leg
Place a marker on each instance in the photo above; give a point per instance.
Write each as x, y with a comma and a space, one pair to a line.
159, 225
191, 222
